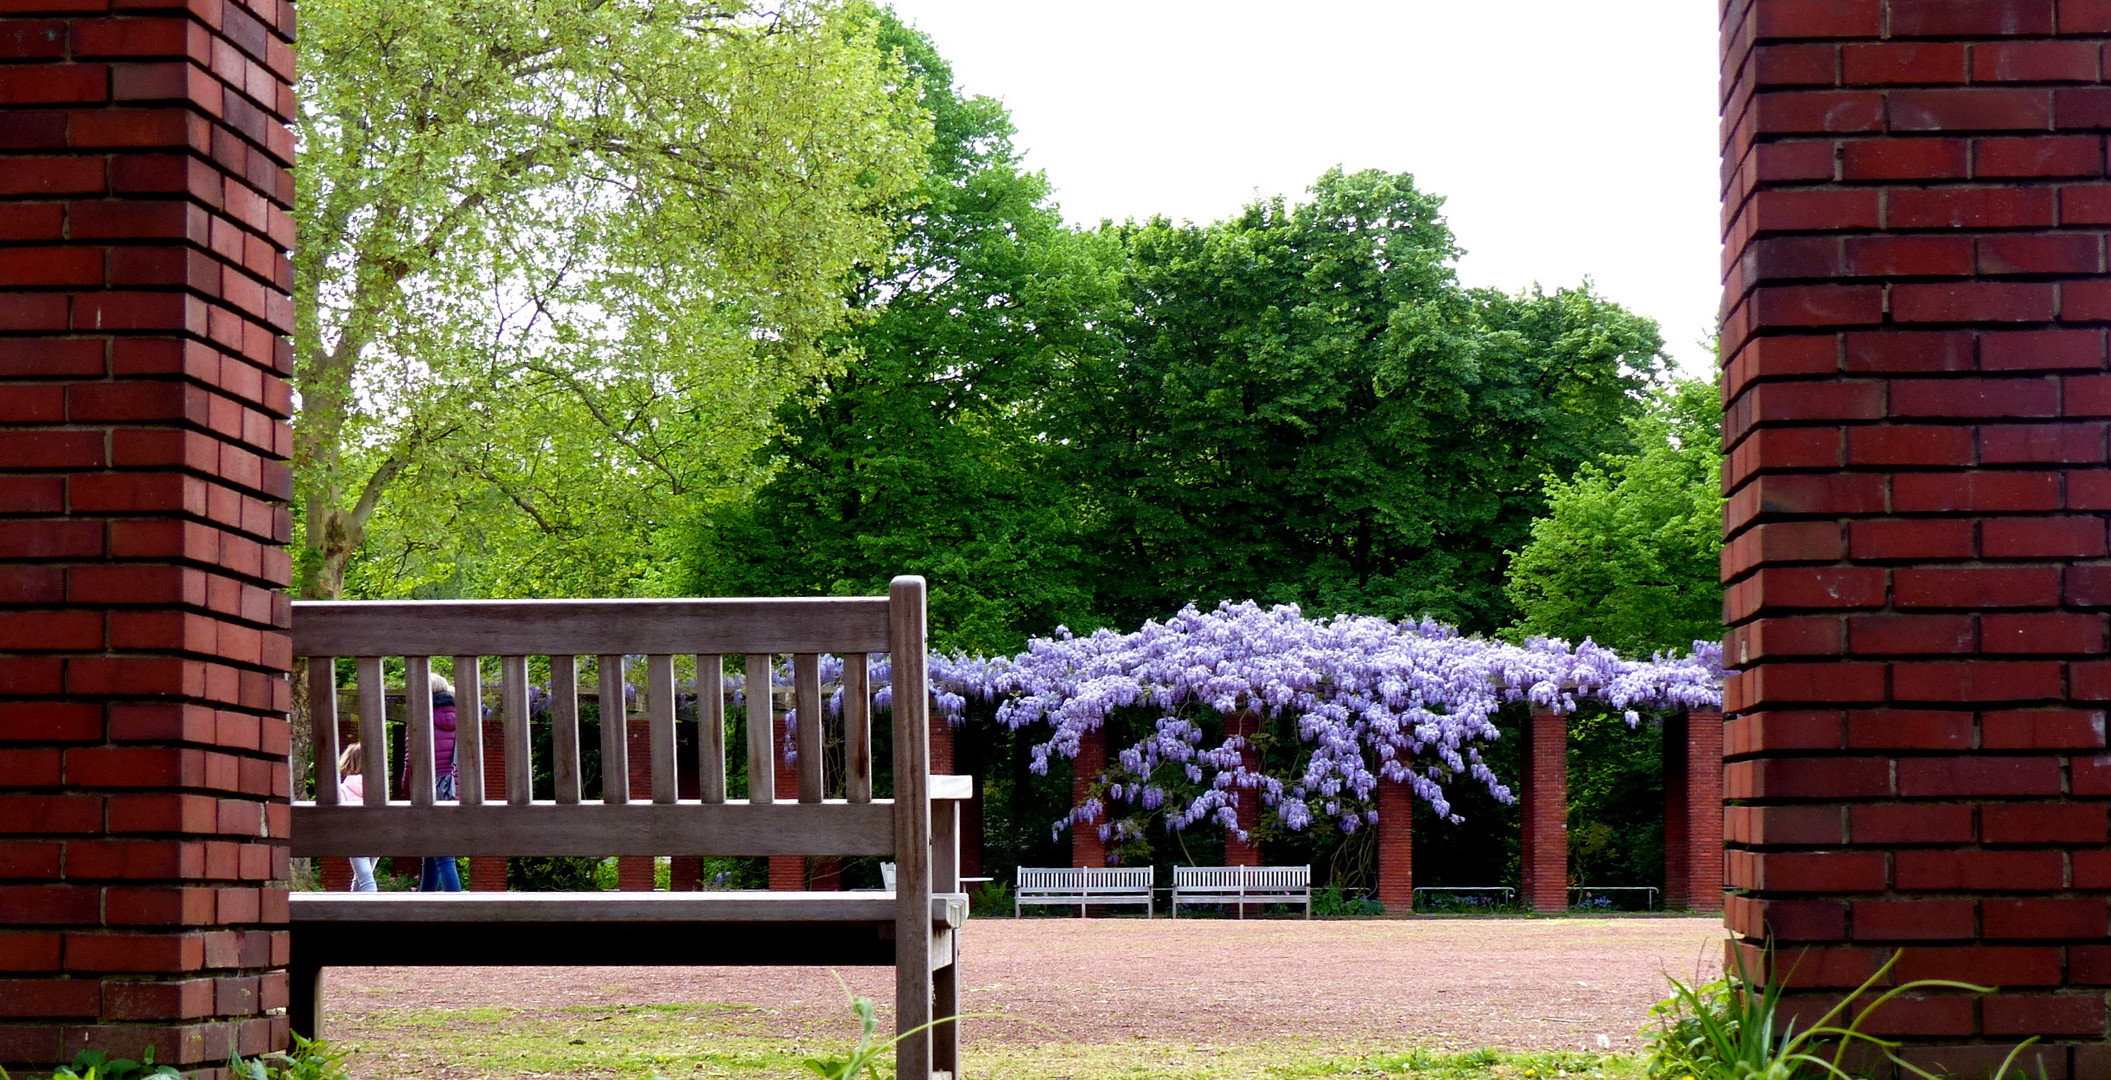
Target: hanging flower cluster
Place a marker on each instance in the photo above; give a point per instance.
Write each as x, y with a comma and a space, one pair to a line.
1367, 699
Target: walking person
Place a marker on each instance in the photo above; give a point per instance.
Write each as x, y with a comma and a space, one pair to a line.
351, 791
440, 873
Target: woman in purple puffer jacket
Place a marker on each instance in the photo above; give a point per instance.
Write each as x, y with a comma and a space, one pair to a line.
440, 873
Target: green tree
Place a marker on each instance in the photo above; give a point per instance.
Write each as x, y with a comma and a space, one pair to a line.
1628, 553
558, 261
928, 452
1308, 407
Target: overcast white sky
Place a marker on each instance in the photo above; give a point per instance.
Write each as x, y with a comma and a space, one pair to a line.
1569, 139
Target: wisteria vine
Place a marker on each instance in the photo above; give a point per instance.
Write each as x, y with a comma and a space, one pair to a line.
1363, 699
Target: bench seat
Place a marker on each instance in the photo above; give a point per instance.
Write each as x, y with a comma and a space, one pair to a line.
597, 929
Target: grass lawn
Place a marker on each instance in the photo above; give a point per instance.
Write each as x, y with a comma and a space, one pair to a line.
681, 1041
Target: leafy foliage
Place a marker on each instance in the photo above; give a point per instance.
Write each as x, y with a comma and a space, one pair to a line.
557, 263
1306, 407
926, 454
1733, 1029
1628, 554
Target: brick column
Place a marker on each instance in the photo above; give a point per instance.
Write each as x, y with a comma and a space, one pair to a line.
143, 405
787, 872
1239, 852
1915, 209
634, 873
1396, 847
1545, 805
1693, 814
1086, 848
487, 873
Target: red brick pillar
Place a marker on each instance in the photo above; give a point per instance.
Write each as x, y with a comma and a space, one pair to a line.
1396, 847
1915, 388
1693, 815
634, 873
1086, 848
1239, 852
1545, 847
143, 405
787, 872
487, 873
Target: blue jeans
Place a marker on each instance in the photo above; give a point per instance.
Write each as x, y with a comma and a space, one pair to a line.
440, 873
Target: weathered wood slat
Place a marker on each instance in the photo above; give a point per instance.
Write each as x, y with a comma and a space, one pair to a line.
564, 726
587, 627
785, 828
513, 709
659, 705
958, 788
322, 725
762, 762
857, 729
806, 688
469, 730
417, 726
711, 727
615, 731
912, 824
373, 731
746, 907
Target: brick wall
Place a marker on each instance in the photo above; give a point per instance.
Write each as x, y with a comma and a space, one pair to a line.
143, 302
1544, 805
1237, 852
1396, 847
1086, 848
1693, 812
1915, 208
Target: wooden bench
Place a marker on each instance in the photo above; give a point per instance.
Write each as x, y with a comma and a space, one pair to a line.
1242, 885
911, 927
1084, 886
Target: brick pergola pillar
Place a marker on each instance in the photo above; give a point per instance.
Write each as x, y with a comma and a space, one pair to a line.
1086, 848
1915, 209
1244, 724
634, 873
1396, 847
1693, 812
1544, 850
787, 872
487, 873
143, 402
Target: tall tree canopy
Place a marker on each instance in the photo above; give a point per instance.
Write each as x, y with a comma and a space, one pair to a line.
1307, 407
557, 263
928, 453
1629, 551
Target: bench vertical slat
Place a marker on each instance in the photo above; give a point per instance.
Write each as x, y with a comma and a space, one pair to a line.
513, 710
373, 731
615, 736
912, 828
322, 722
711, 727
806, 684
659, 705
417, 728
762, 768
469, 731
564, 726
857, 730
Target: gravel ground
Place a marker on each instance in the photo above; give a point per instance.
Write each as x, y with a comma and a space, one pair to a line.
1456, 983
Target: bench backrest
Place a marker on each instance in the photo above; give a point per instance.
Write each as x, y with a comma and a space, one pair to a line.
1073, 879
1242, 877
623, 823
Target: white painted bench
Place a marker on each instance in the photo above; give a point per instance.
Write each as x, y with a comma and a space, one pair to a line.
1084, 886
910, 927
1242, 885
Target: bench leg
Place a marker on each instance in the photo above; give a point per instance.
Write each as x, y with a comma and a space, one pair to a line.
945, 1011
304, 1000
